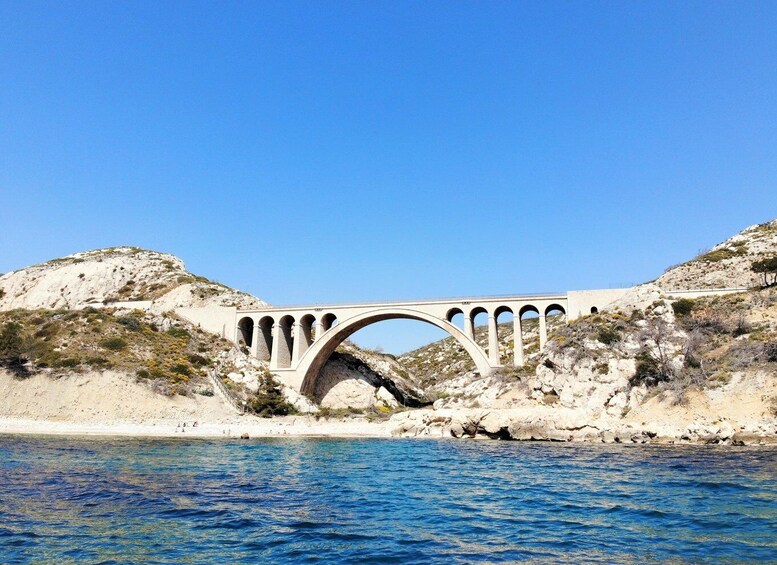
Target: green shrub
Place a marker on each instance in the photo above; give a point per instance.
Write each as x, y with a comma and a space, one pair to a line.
66, 363
269, 400
198, 360
97, 361
736, 250
130, 322
179, 333
114, 343
10, 339
608, 335
770, 351
648, 371
682, 307
181, 369
326, 412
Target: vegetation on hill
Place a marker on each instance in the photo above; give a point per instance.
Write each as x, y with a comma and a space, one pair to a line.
168, 353
269, 400
439, 362
766, 268
699, 344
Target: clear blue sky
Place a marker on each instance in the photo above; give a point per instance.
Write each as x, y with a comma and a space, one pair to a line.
335, 151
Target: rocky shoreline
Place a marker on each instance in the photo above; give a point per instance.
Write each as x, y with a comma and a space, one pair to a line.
115, 404
425, 424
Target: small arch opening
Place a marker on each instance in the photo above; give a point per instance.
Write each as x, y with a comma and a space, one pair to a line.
306, 332
529, 318
456, 317
245, 332
328, 321
594, 310
555, 310
555, 317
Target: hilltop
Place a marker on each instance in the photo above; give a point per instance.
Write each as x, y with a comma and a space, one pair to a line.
116, 275
726, 265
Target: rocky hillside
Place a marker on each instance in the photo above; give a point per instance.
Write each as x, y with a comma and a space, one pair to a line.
727, 265
703, 370
168, 354
119, 274
82, 313
446, 373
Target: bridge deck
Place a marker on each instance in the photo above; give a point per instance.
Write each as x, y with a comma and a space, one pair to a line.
452, 300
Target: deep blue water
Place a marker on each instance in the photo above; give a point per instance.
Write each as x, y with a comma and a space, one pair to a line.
382, 501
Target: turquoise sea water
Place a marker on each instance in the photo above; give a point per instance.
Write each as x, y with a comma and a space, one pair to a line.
90, 500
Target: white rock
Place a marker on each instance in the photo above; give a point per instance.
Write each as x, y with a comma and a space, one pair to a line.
384, 397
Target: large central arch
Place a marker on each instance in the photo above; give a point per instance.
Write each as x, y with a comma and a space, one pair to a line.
314, 358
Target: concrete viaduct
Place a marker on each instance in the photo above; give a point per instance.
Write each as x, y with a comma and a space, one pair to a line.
297, 341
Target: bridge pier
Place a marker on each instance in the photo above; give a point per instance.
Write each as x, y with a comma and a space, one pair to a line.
255, 340
264, 339
296, 343
493, 341
543, 332
517, 341
276, 344
469, 326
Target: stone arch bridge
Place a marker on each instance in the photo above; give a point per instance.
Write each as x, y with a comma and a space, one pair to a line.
297, 341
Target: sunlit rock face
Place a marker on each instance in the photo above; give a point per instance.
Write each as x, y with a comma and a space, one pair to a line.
117, 274
352, 380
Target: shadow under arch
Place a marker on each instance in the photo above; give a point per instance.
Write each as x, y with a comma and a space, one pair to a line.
314, 358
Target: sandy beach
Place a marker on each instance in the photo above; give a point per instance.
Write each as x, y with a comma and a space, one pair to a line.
299, 426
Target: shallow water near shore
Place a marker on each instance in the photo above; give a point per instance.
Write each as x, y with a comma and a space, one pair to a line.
104, 500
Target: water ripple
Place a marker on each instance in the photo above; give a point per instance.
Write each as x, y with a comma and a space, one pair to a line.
73, 500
